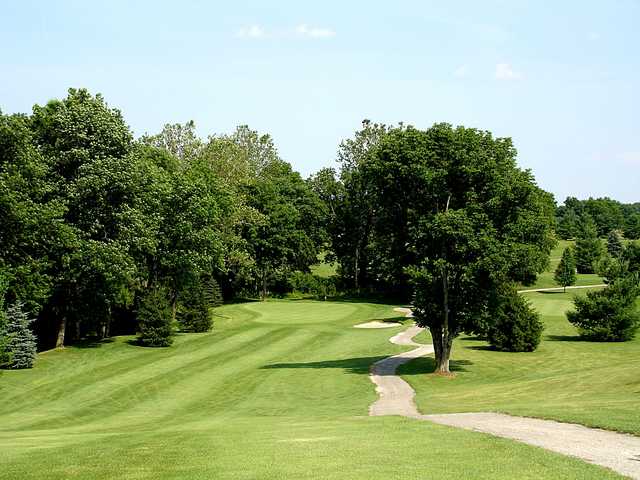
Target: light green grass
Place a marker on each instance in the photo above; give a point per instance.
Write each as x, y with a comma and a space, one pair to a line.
279, 390
324, 269
595, 384
546, 280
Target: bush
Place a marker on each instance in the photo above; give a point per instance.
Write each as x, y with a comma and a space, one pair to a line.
608, 315
154, 316
20, 341
193, 308
515, 326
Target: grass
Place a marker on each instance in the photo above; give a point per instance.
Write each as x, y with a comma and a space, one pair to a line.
595, 384
324, 269
279, 390
546, 280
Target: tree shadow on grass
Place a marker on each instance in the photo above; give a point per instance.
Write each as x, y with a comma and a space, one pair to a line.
358, 365
93, 342
566, 338
426, 365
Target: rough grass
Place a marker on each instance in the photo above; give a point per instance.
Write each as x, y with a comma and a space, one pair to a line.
567, 379
279, 390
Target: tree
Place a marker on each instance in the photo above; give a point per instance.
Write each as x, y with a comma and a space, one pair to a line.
155, 321
515, 326
588, 247
608, 315
615, 246
21, 344
565, 274
474, 221
193, 309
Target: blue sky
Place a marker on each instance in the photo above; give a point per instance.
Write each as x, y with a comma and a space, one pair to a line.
560, 78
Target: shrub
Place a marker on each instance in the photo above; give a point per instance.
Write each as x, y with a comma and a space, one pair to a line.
193, 308
154, 316
21, 342
608, 315
515, 326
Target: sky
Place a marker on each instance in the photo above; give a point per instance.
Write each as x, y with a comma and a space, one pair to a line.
561, 78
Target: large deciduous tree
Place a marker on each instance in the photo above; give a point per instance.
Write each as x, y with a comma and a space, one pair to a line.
468, 218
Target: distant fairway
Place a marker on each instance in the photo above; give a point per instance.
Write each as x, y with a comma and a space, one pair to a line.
280, 390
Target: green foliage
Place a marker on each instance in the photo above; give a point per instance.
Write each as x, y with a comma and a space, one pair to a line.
608, 315
193, 313
615, 245
631, 257
565, 273
589, 248
154, 317
20, 345
308, 283
515, 326
212, 292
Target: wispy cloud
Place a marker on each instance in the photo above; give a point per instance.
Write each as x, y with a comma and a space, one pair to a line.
461, 72
305, 30
504, 71
631, 158
252, 31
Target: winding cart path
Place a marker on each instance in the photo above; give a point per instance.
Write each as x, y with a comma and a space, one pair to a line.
618, 451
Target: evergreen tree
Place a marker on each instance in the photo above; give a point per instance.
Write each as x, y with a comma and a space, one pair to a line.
566, 271
155, 317
21, 343
212, 292
588, 247
615, 247
608, 315
193, 309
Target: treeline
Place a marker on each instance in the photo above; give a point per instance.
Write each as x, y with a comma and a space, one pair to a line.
606, 214
97, 224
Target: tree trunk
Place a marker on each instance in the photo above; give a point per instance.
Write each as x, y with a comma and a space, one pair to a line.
357, 273
62, 327
264, 286
174, 306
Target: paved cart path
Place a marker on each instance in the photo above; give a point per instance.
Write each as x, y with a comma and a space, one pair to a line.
617, 451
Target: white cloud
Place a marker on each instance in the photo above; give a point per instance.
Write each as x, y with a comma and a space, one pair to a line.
631, 158
305, 30
252, 31
461, 72
505, 71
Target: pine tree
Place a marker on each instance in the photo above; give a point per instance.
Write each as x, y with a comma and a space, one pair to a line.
566, 272
615, 247
155, 319
212, 292
21, 343
588, 247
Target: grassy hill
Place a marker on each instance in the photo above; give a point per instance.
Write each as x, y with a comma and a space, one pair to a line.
279, 390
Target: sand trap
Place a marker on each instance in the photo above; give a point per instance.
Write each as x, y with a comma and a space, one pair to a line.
618, 451
377, 324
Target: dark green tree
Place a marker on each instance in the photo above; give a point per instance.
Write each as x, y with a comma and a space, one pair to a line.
588, 247
515, 326
565, 274
474, 221
155, 320
193, 309
608, 315
615, 245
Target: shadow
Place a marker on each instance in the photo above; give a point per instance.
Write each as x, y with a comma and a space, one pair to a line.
552, 292
92, 342
482, 348
566, 338
359, 365
427, 365
474, 339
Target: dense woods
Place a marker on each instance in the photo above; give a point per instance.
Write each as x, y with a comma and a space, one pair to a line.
106, 234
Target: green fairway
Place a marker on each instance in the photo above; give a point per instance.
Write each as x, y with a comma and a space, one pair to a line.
279, 390
546, 280
595, 384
